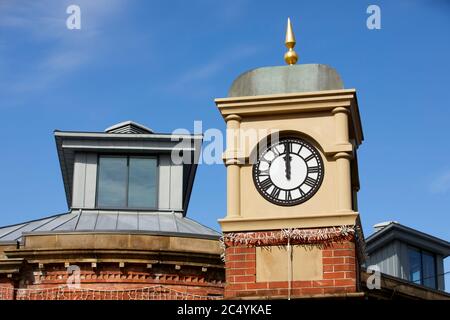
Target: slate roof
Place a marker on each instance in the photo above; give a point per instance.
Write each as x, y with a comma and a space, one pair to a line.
159, 223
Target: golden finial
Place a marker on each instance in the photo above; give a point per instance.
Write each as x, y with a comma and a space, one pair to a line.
290, 56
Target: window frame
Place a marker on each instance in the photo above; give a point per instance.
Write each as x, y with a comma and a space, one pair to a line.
127, 157
422, 277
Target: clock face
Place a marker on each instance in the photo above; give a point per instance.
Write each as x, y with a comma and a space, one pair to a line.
288, 172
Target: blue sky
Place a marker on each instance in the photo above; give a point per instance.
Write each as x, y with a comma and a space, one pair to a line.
162, 63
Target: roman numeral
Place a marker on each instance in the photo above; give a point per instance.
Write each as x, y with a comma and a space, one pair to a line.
288, 147
275, 151
266, 184
302, 194
288, 195
263, 172
266, 161
310, 182
309, 157
299, 149
313, 169
275, 192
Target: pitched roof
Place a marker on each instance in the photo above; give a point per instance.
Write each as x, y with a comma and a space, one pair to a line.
161, 223
129, 127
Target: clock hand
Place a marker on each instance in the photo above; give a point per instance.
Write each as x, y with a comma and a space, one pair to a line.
287, 161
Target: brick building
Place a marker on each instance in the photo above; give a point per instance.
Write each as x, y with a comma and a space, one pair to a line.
292, 227
126, 231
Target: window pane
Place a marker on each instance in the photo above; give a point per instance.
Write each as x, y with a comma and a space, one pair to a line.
142, 183
415, 273
429, 270
112, 182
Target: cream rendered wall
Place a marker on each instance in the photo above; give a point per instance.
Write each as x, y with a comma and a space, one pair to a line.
319, 126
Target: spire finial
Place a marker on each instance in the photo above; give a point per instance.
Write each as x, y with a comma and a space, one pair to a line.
290, 56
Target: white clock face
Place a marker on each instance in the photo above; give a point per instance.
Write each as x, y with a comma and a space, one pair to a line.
288, 172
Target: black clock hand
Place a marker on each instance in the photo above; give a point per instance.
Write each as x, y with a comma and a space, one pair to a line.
287, 161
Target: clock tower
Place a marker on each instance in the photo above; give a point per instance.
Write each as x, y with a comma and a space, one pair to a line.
292, 227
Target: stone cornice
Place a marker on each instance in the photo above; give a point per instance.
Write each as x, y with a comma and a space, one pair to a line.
285, 222
295, 103
61, 256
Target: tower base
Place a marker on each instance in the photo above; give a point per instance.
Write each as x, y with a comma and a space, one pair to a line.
291, 263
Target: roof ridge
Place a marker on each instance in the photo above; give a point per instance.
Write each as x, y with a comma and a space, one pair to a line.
62, 223
128, 127
176, 222
78, 220
49, 220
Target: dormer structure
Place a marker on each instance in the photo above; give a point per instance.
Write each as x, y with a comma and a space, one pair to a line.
127, 167
408, 254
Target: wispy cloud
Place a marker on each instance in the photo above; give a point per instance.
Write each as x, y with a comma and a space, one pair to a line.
441, 184
41, 26
205, 72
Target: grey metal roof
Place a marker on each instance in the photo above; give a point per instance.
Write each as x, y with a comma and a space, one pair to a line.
396, 231
163, 223
129, 127
286, 79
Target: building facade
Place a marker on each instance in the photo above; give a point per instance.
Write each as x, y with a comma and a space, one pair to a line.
292, 229
126, 232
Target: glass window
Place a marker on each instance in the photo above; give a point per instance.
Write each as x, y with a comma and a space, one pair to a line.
112, 182
422, 267
429, 270
415, 265
127, 182
142, 183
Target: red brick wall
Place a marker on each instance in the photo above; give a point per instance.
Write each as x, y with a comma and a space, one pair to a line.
6, 289
108, 277
339, 274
